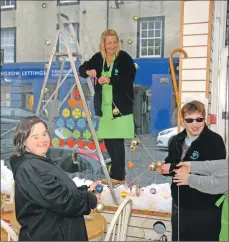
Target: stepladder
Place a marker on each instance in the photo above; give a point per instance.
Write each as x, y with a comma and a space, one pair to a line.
54, 103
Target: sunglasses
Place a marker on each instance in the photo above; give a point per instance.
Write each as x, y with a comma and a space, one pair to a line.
191, 120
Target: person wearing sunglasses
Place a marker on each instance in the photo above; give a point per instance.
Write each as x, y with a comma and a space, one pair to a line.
194, 214
208, 177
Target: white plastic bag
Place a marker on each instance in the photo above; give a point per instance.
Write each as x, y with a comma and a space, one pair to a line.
7, 180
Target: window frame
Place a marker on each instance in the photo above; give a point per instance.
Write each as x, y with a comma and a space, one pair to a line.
148, 19
15, 43
68, 2
227, 27
9, 7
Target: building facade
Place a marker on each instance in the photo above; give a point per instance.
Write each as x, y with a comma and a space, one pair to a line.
146, 28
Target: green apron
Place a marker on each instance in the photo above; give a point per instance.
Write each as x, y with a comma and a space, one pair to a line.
110, 127
224, 218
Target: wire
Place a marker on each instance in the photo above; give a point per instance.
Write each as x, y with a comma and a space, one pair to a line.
138, 136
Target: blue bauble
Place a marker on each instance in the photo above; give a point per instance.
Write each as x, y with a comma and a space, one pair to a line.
99, 188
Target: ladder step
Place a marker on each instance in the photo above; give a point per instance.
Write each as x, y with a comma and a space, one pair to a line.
50, 101
60, 54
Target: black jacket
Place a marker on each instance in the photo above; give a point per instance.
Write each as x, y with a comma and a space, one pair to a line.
48, 204
122, 79
208, 146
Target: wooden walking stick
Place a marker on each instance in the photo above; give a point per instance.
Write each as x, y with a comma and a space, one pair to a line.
178, 101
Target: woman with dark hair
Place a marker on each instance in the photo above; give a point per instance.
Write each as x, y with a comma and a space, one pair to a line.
49, 206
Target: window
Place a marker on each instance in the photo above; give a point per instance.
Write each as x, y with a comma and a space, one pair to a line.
151, 37
8, 43
7, 4
61, 46
26, 93
5, 95
67, 2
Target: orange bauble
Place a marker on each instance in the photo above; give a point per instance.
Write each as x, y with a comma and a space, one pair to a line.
103, 146
72, 102
71, 143
62, 143
91, 145
81, 144
129, 165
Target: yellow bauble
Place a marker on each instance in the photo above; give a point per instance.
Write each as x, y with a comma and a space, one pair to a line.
158, 164
129, 41
151, 167
115, 111
123, 194
66, 113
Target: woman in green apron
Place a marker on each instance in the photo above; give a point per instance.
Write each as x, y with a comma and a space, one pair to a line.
209, 177
114, 73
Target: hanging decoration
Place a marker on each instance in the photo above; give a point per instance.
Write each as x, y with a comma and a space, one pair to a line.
60, 122
129, 41
100, 208
91, 145
72, 102
76, 113
115, 111
129, 165
135, 18
66, 113
76, 134
87, 134
99, 188
71, 143
70, 123
76, 93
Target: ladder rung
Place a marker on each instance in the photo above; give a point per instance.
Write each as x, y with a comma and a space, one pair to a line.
60, 54
45, 101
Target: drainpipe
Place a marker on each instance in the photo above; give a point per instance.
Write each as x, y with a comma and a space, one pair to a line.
108, 6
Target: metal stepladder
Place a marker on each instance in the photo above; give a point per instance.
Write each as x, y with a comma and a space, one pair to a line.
69, 54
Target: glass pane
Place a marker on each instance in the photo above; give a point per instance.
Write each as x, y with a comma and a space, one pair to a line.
158, 25
144, 43
150, 42
11, 42
144, 25
151, 25
151, 33
151, 51
144, 51
157, 50
144, 34
157, 33
157, 42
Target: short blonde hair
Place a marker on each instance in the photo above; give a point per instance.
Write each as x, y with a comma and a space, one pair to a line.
194, 106
106, 33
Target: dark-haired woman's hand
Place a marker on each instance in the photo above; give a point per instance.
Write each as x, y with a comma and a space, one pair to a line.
93, 185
